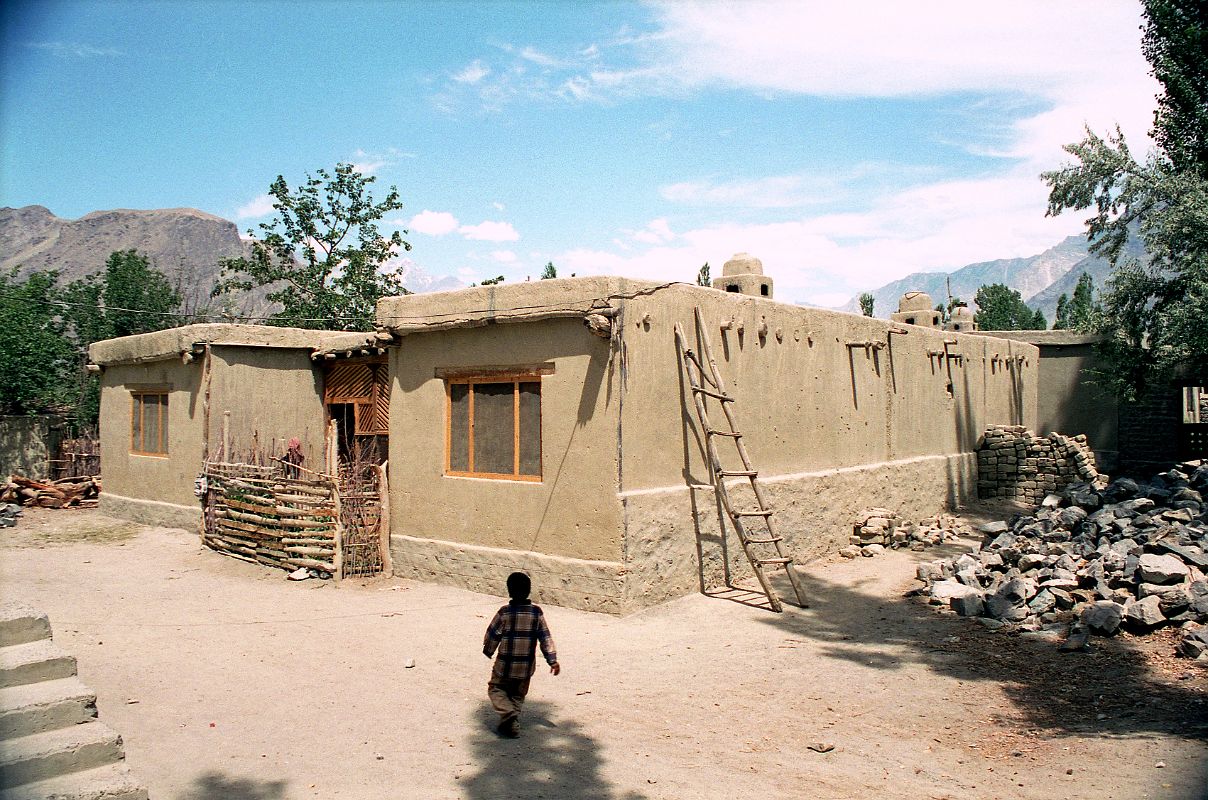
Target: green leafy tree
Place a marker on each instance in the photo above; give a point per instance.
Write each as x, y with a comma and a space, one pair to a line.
322, 254
1152, 313
1061, 320
946, 310
36, 357
1082, 307
550, 271
867, 301
1000, 308
702, 276
492, 281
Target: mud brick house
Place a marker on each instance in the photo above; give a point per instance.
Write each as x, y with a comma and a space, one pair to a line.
547, 425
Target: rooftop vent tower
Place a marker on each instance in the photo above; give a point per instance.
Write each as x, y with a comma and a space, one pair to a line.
916, 308
743, 274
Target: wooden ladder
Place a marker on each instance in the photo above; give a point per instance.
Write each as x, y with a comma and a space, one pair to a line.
763, 549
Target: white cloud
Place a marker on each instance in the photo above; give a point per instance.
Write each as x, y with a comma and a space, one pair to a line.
490, 232
503, 256
473, 73
75, 50
935, 226
537, 57
260, 206
433, 223
368, 163
498, 206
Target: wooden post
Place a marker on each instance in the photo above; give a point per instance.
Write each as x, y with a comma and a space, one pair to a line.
226, 437
384, 518
333, 469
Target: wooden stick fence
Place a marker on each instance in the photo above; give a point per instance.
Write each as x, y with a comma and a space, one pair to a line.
257, 514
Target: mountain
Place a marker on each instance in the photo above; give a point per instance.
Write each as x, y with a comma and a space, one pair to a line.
1030, 276
183, 243
1098, 268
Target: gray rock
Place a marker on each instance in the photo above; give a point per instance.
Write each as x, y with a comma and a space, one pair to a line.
990, 560
1145, 613
1195, 643
1010, 602
931, 571
943, 591
1102, 617
1043, 602
994, 528
1158, 569
1076, 642
1150, 589
1140, 504
1173, 602
969, 605
1051, 501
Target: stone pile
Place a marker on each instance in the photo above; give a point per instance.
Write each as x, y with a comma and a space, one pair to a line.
880, 528
1014, 463
8, 514
1093, 559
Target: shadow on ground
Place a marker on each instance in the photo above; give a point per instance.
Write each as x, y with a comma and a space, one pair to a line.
553, 760
216, 786
1107, 690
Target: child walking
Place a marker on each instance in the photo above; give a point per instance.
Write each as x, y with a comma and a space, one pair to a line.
516, 631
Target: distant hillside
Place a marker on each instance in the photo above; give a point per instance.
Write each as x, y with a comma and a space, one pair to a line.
183, 243
1028, 275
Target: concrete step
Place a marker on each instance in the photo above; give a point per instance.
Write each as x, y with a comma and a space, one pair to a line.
51, 754
44, 706
112, 782
20, 623
33, 662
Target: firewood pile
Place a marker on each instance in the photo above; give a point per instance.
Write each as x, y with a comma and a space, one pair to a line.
78, 492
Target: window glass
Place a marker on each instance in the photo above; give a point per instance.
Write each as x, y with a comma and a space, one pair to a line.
530, 428
149, 423
494, 428
459, 427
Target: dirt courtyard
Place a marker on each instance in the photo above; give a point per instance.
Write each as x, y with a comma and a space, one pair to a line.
227, 681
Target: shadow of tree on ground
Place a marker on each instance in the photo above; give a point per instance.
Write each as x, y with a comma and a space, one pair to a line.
550, 760
1110, 689
216, 786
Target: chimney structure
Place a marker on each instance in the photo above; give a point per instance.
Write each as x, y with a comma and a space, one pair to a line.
915, 308
743, 274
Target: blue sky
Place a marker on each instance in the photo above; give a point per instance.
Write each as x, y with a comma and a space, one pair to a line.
845, 145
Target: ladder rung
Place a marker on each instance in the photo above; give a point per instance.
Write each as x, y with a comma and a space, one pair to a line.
737, 473
774, 560
725, 398
762, 513
735, 434
700, 486
764, 541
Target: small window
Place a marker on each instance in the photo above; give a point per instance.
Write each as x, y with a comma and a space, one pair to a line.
494, 427
1195, 405
733, 287
763, 289
910, 320
149, 423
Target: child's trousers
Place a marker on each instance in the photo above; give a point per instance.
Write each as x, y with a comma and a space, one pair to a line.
507, 696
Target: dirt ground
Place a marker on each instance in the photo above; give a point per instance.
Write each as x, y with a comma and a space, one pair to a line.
229, 682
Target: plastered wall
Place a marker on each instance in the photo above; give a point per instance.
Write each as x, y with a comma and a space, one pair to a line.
831, 428
272, 393
564, 529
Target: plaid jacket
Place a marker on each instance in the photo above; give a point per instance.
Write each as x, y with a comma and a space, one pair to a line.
515, 631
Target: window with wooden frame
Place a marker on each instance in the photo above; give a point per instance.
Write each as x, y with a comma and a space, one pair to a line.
493, 426
149, 422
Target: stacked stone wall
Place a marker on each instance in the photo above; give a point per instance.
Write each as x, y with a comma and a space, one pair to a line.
1015, 463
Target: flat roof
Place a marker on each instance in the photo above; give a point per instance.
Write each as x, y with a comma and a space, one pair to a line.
171, 342
1059, 337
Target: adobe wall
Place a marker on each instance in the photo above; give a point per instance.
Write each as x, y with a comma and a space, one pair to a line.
831, 428
564, 530
1068, 401
26, 444
272, 393
155, 489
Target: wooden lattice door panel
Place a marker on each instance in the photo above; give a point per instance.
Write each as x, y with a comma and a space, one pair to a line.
363, 385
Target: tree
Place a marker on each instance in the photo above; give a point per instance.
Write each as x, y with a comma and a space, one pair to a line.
1000, 308
946, 310
492, 281
1082, 307
1062, 320
1152, 313
702, 276
867, 301
35, 356
322, 254
550, 271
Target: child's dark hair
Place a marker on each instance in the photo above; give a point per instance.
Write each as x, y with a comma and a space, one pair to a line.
519, 586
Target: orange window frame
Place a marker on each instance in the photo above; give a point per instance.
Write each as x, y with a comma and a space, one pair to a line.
138, 435
471, 382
